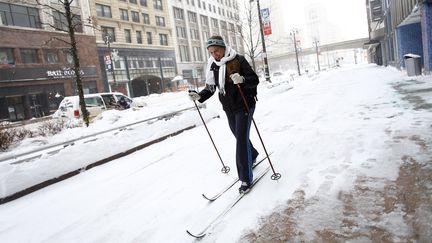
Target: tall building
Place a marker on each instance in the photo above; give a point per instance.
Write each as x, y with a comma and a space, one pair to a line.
194, 21
135, 45
397, 28
35, 59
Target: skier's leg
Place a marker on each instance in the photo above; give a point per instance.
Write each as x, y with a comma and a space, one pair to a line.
243, 146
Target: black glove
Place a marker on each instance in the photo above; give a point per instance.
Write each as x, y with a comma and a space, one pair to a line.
193, 95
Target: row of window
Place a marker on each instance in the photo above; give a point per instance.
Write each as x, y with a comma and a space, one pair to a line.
17, 15
105, 11
212, 8
143, 62
110, 33
33, 56
192, 18
157, 4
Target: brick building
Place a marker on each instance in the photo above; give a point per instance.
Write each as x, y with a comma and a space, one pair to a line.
35, 64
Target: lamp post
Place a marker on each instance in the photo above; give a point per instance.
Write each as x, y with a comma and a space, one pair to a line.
107, 40
293, 34
266, 67
316, 42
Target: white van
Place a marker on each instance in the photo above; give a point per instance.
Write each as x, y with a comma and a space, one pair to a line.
69, 107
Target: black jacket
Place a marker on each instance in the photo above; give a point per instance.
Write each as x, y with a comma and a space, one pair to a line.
232, 100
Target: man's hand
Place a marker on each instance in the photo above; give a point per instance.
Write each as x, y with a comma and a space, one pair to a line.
193, 95
237, 78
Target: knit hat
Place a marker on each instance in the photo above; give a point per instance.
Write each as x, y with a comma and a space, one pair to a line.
215, 41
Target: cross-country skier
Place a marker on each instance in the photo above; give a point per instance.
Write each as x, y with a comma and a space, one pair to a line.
227, 70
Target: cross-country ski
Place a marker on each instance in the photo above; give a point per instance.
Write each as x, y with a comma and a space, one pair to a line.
203, 232
232, 183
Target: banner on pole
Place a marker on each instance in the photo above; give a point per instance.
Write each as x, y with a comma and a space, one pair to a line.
265, 17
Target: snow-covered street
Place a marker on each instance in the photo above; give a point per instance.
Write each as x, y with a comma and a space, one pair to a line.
353, 146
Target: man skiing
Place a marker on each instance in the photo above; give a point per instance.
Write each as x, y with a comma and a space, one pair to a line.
229, 72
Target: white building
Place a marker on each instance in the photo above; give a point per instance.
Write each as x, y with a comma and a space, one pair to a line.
194, 21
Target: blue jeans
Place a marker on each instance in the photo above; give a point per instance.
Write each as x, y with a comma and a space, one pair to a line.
240, 123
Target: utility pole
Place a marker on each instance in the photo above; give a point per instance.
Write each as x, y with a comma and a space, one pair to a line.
266, 67
316, 42
293, 34
108, 42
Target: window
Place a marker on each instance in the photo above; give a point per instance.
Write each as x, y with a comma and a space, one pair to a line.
139, 37
163, 39
204, 20
184, 53
214, 23
231, 27
28, 55
197, 53
68, 56
178, 13
160, 21
157, 4
146, 18
206, 35
181, 32
143, 3
135, 16
192, 17
6, 56
149, 38
51, 56
60, 22
223, 25
16, 15
194, 34
128, 38
133, 1
108, 31
103, 11
124, 14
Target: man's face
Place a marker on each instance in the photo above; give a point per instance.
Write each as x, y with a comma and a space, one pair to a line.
217, 52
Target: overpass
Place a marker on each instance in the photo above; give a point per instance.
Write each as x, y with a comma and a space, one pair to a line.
350, 44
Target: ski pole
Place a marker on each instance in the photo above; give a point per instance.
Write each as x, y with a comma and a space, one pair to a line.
225, 169
275, 176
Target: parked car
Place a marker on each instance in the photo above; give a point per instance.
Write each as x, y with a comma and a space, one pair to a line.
96, 103
112, 100
69, 107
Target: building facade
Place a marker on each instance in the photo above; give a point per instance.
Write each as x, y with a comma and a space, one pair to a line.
35, 59
135, 45
194, 21
397, 28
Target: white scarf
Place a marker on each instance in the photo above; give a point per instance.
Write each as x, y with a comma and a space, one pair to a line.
229, 55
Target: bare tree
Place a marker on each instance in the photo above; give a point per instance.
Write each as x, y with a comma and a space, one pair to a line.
250, 30
69, 22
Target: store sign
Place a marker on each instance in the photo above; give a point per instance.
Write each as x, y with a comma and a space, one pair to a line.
62, 73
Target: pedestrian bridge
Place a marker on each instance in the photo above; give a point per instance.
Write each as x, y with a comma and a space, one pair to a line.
350, 44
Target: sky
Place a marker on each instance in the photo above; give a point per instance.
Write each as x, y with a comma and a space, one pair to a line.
349, 16
325, 130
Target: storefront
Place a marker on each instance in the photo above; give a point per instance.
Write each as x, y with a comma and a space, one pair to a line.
36, 92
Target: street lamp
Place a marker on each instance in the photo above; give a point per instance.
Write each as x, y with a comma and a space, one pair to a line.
266, 67
293, 34
107, 40
316, 42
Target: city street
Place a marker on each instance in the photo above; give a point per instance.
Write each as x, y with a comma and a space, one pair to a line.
353, 146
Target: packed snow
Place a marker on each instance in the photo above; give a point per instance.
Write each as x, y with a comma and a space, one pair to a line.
324, 130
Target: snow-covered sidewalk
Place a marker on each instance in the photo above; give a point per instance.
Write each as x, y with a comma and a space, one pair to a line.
350, 144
